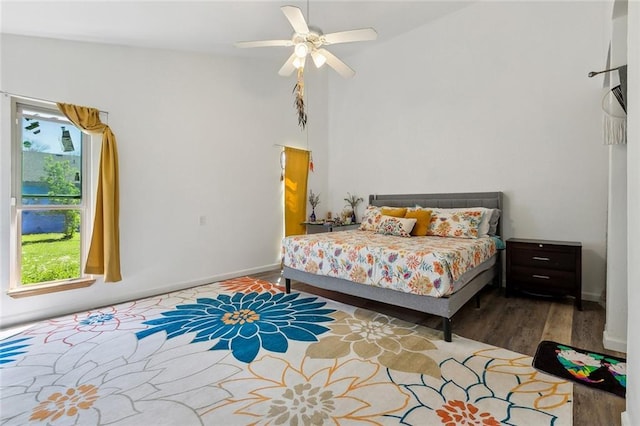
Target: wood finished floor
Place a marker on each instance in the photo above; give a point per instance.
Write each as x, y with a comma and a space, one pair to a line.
517, 324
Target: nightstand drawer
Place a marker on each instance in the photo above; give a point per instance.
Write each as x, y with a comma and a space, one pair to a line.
543, 277
545, 259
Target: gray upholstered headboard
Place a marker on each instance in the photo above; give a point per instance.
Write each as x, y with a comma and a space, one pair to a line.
491, 200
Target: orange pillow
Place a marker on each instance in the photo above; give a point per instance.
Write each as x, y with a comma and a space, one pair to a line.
423, 220
394, 211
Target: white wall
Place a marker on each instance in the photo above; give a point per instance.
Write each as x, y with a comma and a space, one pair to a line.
316, 99
494, 97
196, 137
632, 415
615, 332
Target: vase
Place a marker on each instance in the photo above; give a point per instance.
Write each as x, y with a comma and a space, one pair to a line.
312, 218
353, 216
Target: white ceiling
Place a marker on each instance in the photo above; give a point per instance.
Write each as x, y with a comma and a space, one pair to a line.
211, 26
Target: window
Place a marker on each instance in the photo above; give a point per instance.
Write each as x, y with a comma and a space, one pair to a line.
50, 201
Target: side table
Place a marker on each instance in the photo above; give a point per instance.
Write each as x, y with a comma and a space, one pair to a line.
315, 228
545, 267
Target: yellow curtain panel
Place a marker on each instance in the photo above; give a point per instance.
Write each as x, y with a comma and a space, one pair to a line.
296, 171
104, 251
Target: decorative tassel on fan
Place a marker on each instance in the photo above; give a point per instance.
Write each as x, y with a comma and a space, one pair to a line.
298, 89
311, 162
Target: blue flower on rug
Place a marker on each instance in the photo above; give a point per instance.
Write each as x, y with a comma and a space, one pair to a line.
12, 348
244, 323
96, 319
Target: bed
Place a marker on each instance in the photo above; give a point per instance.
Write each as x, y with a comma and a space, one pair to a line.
464, 286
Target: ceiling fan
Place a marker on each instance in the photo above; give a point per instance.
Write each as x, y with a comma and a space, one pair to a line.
310, 41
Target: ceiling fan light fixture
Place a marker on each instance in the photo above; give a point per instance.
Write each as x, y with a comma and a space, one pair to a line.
299, 62
301, 49
318, 58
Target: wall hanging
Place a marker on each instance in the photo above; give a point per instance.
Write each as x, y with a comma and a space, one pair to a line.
614, 106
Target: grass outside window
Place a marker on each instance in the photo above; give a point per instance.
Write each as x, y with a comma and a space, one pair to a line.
50, 257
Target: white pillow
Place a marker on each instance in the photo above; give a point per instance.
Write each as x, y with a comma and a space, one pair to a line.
399, 226
489, 223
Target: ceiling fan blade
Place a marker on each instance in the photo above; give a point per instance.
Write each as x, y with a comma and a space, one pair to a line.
264, 43
341, 68
296, 19
288, 68
363, 34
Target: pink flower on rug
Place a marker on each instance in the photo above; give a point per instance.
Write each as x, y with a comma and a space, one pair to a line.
74, 329
315, 392
249, 285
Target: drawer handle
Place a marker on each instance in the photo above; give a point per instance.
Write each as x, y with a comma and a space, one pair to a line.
545, 259
544, 277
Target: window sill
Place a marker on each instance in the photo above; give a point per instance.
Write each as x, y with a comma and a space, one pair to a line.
37, 289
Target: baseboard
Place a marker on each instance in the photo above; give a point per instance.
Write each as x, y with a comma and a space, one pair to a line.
19, 320
592, 297
201, 281
624, 417
613, 344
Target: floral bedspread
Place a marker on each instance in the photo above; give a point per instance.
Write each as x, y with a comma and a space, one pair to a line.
420, 265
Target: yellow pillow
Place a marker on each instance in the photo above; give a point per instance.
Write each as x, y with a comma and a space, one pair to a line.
423, 220
394, 211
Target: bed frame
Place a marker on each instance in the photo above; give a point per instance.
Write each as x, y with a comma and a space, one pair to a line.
444, 307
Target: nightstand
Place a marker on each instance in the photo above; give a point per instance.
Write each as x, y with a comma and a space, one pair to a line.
544, 267
315, 228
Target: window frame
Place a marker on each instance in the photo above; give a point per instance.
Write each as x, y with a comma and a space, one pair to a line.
16, 288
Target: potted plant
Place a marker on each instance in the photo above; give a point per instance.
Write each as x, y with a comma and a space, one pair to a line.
353, 201
314, 200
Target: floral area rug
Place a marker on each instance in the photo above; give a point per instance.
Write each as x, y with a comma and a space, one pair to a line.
243, 352
593, 369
